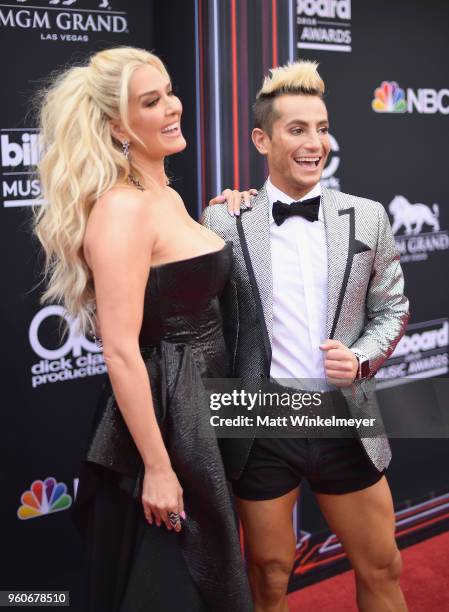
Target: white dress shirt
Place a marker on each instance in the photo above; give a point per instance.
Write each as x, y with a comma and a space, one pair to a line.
299, 263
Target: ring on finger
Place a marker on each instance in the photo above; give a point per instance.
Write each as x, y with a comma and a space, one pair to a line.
174, 518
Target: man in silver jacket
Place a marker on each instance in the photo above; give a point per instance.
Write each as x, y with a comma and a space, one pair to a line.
316, 293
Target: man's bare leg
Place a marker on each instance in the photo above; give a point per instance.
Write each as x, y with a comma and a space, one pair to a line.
364, 523
271, 544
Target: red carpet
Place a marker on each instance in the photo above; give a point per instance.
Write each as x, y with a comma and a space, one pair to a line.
425, 578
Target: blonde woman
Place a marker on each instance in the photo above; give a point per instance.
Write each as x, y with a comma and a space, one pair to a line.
152, 499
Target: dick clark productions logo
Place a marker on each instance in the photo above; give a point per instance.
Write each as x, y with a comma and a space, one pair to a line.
76, 357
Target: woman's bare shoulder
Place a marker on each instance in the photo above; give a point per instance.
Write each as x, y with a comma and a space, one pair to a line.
122, 215
125, 204
120, 197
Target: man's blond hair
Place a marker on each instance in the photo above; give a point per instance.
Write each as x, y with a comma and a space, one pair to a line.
299, 78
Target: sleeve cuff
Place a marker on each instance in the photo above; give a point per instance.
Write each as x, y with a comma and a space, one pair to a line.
364, 365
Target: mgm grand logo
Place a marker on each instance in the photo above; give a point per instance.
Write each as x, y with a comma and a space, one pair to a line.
417, 229
63, 19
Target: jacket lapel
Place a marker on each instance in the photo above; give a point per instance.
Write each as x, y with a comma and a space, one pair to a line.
339, 223
256, 230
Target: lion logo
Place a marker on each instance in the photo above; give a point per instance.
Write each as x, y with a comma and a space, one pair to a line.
412, 216
103, 3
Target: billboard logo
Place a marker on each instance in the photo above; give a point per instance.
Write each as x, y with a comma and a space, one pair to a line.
421, 353
417, 229
44, 497
19, 154
324, 25
22, 153
390, 98
76, 357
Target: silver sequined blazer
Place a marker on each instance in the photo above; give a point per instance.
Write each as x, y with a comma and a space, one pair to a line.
366, 308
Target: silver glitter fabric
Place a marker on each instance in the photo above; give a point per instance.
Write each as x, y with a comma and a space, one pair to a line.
366, 306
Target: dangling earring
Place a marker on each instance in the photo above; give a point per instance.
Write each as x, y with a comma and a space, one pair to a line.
131, 178
125, 149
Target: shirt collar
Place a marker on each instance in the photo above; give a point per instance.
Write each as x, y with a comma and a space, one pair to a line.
274, 194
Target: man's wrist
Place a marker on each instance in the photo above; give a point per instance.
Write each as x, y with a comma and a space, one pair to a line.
363, 369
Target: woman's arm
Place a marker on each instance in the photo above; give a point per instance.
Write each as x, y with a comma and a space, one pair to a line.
119, 242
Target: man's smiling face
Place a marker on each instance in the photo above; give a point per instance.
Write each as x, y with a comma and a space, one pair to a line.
299, 144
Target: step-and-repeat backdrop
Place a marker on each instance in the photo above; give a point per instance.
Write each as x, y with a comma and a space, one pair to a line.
388, 100
49, 388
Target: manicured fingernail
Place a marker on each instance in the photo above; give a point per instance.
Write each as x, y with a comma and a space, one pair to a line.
183, 515
237, 212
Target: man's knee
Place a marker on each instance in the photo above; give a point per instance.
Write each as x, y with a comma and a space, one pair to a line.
271, 575
380, 571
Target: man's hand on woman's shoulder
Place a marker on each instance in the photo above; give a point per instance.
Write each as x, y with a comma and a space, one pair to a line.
236, 200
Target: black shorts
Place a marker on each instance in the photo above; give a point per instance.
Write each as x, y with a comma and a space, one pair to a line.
276, 466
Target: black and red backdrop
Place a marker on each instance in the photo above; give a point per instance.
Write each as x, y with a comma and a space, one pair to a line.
388, 101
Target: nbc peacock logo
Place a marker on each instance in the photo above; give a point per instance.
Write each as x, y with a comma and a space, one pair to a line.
44, 497
389, 98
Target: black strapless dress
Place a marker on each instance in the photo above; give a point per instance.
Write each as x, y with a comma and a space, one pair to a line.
134, 566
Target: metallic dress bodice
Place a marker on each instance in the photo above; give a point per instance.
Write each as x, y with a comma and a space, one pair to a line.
182, 308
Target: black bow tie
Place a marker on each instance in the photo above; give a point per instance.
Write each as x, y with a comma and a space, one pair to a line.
307, 209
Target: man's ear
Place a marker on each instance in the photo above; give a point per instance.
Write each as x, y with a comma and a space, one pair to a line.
117, 131
261, 140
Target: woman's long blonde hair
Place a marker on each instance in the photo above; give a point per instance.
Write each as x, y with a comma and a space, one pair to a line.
80, 161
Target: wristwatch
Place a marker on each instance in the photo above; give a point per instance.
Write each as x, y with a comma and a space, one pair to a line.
363, 370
